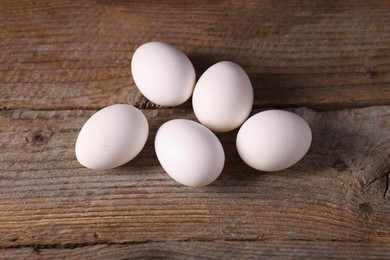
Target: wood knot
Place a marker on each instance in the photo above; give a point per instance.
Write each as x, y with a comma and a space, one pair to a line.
373, 73
365, 208
14, 239
339, 165
96, 235
40, 137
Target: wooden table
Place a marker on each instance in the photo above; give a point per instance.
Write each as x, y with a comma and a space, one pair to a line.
328, 61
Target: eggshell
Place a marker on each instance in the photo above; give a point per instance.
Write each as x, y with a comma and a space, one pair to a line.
223, 97
273, 140
112, 137
163, 74
189, 152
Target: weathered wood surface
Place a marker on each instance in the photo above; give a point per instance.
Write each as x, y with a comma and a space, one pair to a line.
62, 60
77, 53
206, 250
335, 193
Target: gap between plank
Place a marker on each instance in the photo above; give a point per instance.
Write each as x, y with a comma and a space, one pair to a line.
38, 247
317, 108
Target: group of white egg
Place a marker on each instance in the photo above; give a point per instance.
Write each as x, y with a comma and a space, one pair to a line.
190, 152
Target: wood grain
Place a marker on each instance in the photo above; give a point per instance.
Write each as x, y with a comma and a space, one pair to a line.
337, 192
328, 61
207, 250
76, 54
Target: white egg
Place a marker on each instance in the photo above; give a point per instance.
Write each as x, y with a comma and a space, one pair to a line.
273, 140
112, 137
163, 74
223, 97
189, 152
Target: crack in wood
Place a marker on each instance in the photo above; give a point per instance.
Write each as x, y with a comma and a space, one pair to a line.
387, 185
39, 247
147, 105
386, 175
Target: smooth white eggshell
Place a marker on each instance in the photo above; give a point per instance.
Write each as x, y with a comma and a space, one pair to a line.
273, 140
189, 152
112, 137
223, 97
163, 74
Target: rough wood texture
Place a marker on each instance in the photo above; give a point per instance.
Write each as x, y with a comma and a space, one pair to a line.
335, 193
62, 60
77, 53
206, 250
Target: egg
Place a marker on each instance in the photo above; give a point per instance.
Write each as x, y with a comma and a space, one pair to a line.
163, 74
223, 97
112, 137
189, 152
273, 140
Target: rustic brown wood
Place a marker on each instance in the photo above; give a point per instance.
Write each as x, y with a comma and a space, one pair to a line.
207, 250
62, 60
337, 192
76, 54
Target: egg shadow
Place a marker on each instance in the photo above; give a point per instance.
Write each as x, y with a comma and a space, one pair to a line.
147, 157
202, 62
338, 140
335, 150
332, 146
235, 168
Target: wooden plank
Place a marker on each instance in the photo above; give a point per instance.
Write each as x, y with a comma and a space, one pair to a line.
76, 54
211, 250
337, 192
